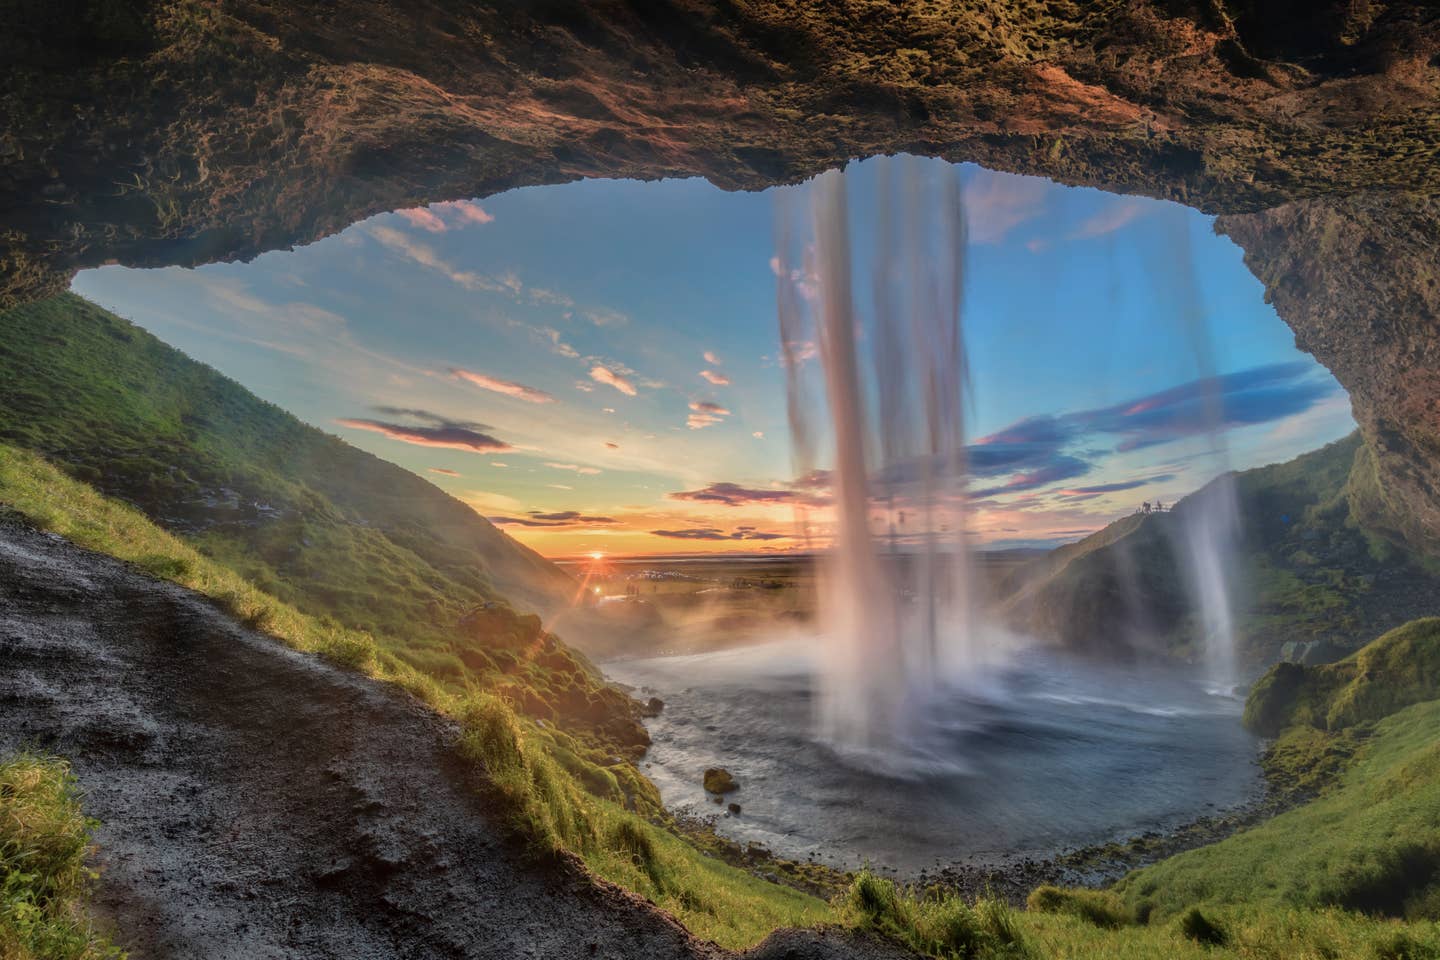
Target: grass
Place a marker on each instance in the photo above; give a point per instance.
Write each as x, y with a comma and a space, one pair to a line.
299, 515
1367, 842
44, 883
558, 792
935, 922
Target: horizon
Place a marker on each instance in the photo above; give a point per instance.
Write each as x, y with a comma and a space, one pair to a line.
523, 353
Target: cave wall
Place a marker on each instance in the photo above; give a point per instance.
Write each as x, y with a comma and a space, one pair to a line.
161, 132
1358, 279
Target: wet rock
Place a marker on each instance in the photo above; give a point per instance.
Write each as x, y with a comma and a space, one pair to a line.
719, 780
652, 707
734, 808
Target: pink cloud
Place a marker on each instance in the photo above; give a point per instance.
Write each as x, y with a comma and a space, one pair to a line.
705, 406
1111, 218
715, 377
423, 218
711, 358
997, 203
508, 387
574, 467
444, 472
467, 211
446, 436
607, 376
456, 213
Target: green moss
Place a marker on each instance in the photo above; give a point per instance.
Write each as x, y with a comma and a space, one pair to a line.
1400, 668
44, 882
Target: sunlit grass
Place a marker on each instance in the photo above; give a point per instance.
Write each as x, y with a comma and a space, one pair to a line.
1262, 894
44, 882
556, 798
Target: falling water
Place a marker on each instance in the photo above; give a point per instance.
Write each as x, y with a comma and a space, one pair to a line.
1207, 538
896, 587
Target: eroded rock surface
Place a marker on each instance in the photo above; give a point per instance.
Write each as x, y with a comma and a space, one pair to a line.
182, 131
1358, 278
259, 803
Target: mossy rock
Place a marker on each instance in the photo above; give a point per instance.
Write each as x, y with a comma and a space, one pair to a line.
719, 780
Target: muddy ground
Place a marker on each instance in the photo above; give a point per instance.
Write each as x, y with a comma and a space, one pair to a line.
257, 803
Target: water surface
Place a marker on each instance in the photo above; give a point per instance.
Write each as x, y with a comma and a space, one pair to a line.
1044, 754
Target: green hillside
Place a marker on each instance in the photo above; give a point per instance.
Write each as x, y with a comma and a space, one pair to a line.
305, 517
1317, 582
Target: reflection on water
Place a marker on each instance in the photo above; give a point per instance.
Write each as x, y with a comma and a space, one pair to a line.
1044, 754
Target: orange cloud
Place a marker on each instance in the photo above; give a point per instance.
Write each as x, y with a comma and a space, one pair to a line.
716, 377
442, 434
508, 387
607, 376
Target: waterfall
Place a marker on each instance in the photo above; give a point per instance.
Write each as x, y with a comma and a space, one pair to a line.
1208, 534
896, 586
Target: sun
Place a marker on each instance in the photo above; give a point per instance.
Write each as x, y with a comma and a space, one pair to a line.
597, 555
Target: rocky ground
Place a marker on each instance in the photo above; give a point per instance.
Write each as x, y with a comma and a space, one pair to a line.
258, 803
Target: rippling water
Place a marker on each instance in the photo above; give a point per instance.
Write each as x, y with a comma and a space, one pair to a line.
1042, 755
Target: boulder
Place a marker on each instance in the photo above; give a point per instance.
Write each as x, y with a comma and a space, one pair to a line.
719, 780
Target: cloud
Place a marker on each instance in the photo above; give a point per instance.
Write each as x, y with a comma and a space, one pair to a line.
734, 495
605, 375
716, 377
705, 414
711, 358
997, 203
1041, 449
711, 533
508, 387
611, 445
423, 218
573, 467
1111, 217
433, 431
425, 255
558, 486
552, 297
605, 317
497, 463
758, 434
557, 345
562, 518
1060, 468
444, 472
1101, 488
439, 217
467, 211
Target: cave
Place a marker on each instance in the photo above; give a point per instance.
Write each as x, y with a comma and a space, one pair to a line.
186, 133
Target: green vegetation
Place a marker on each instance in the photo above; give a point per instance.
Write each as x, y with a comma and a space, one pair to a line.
1398, 669
1318, 581
1354, 872
298, 535
934, 922
44, 837
299, 515
561, 792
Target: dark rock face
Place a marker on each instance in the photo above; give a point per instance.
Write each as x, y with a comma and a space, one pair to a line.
188, 132
1358, 278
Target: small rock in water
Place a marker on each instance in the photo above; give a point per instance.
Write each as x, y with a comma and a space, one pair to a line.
735, 808
652, 707
718, 780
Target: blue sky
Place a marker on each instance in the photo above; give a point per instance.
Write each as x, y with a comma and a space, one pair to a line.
542, 355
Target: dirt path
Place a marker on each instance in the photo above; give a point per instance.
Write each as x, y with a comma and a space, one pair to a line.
257, 803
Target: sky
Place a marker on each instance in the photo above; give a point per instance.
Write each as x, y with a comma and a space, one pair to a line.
593, 365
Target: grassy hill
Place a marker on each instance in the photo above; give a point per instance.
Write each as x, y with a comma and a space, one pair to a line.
1316, 577
301, 515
